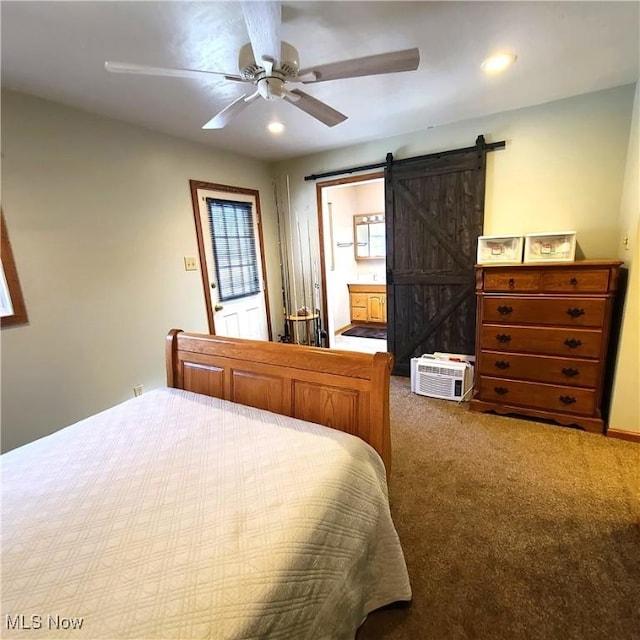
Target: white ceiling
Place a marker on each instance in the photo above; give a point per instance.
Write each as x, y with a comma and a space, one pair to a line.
57, 50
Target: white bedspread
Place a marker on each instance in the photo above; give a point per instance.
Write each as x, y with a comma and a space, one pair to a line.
176, 515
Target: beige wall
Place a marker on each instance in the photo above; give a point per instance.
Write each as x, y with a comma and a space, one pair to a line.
343, 205
99, 215
100, 218
625, 409
346, 201
563, 168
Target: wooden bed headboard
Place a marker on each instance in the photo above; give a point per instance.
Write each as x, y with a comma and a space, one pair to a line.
340, 389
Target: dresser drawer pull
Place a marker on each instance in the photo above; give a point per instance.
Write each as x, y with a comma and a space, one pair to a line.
502, 364
501, 390
573, 281
512, 283
572, 343
567, 399
503, 337
505, 311
575, 312
569, 372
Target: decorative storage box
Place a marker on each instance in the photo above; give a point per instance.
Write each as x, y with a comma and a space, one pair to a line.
499, 249
555, 246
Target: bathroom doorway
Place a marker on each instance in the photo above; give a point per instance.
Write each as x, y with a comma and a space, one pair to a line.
350, 213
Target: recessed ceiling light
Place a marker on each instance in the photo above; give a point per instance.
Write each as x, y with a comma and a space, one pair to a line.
275, 127
498, 62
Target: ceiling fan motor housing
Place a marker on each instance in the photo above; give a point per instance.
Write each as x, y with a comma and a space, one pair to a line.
277, 65
286, 69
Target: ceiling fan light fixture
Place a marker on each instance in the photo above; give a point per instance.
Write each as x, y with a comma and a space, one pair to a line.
275, 127
271, 88
270, 64
498, 62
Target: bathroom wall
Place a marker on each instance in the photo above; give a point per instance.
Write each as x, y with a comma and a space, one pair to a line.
342, 202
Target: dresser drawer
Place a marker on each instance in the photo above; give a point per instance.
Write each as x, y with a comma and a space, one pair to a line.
511, 280
575, 281
565, 371
358, 300
581, 312
537, 395
570, 342
559, 280
359, 313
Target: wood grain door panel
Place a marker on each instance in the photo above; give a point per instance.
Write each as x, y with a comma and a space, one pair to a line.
376, 309
434, 215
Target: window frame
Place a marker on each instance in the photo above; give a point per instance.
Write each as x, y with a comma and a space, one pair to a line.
10, 282
249, 286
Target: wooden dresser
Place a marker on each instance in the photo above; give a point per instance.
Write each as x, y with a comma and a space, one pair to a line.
368, 303
541, 339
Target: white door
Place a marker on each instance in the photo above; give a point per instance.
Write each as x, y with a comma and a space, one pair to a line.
231, 239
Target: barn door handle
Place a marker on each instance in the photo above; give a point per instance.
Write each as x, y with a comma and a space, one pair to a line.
567, 399
503, 337
572, 343
573, 281
575, 312
504, 310
570, 372
502, 364
501, 390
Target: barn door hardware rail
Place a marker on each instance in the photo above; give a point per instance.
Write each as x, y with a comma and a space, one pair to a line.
481, 146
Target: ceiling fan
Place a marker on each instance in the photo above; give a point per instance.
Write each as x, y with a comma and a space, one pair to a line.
271, 65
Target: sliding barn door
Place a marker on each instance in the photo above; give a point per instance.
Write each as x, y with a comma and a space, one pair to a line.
435, 212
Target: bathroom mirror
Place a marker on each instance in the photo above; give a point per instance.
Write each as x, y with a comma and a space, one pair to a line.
369, 236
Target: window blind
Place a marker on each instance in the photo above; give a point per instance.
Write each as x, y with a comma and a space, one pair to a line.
234, 248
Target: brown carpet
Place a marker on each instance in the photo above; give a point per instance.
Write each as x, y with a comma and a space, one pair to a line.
511, 528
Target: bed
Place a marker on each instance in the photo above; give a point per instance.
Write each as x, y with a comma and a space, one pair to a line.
233, 503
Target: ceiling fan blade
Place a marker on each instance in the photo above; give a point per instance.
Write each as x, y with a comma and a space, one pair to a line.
392, 62
314, 107
222, 119
144, 70
263, 21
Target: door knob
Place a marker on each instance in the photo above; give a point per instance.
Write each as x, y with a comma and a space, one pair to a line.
218, 307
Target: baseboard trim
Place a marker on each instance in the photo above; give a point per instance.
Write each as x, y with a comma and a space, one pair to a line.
339, 331
631, 436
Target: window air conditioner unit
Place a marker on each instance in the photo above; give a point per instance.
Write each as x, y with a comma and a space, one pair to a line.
441, 378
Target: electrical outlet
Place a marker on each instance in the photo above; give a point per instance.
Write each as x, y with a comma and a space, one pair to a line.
138, 390
190, 263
